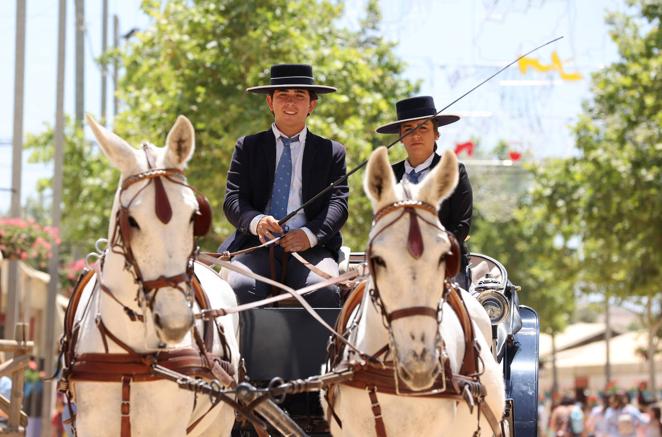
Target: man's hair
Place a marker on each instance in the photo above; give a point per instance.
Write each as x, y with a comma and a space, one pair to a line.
311, 93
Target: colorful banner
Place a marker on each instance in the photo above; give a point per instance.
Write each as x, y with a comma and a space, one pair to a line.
465, 147
526, 63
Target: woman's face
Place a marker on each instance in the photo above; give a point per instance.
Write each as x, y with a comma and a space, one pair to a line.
420, 142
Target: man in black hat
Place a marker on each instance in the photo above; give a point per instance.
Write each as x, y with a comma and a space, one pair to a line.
275, 172
417, 117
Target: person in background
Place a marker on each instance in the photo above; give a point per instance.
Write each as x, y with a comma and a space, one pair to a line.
56, 419
654, 426
622, 418
596, 425
560, 418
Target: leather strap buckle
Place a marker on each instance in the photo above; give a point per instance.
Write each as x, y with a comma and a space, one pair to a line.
126, 408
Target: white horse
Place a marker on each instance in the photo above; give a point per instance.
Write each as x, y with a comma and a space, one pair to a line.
407, 270
160, 216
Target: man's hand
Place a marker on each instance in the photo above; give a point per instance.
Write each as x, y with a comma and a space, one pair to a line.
266, 228
295, 241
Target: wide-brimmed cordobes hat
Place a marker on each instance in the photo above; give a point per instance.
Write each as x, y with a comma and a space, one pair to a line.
416, 108
291, 76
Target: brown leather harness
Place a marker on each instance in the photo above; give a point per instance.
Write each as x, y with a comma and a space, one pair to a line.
374, 375
132, 366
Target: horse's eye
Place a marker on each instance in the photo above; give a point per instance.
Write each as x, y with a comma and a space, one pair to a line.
442, 259
193, 216
133, 223
378, 261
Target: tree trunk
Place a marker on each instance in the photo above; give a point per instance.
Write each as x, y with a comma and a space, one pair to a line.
653, 325
555, 375
607, 340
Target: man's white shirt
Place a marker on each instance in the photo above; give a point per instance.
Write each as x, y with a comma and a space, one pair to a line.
295, 198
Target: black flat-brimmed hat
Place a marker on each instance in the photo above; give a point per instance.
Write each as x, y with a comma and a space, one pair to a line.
416, 108
291, 76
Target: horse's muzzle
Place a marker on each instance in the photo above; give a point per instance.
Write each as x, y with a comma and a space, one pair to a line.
419, 374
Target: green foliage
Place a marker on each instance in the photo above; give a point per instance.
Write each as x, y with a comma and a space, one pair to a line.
536, 256
610, 194
199, 57
608, 197
88, 186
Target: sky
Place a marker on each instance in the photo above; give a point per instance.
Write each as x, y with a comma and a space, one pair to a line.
449, 45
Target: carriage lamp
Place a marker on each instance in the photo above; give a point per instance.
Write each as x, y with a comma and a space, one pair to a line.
495, 304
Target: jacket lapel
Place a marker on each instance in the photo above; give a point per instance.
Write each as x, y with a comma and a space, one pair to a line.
307, 166
270, 157
435, 160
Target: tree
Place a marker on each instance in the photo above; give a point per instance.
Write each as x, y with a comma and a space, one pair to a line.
88, 187
196, 59
536, 254
199, 57
610, 194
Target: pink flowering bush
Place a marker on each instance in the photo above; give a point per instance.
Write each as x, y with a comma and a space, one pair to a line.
74, 268
28, 241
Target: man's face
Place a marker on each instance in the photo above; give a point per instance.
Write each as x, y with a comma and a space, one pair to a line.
420, 143
291, 108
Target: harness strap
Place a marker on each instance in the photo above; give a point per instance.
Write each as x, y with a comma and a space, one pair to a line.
105, 332
470, 360
329, 396
491, 419
164, 281
192, 426
411, 311
125, 409
133, 316
380, 428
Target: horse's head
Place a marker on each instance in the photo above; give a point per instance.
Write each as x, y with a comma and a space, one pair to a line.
154, 219
410, 254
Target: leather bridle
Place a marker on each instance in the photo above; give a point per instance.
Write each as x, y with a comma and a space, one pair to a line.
120, 242
415, 248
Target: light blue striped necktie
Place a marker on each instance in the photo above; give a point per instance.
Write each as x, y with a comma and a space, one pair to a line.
413, 176
282, 180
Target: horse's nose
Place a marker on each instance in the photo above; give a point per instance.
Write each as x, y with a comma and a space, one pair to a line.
173, 329
418, 375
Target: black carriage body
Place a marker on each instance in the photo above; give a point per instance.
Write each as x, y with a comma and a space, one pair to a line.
288, 343
520, 370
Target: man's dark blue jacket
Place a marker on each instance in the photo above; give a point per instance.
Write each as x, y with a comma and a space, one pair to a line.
250, 181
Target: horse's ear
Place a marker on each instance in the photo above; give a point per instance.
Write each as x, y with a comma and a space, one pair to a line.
180, 143
379, 182
441, 181
118, 151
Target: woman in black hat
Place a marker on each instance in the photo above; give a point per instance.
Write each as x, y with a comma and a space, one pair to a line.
273, 173
417, 117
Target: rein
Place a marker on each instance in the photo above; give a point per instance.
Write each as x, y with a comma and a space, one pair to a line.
296, 294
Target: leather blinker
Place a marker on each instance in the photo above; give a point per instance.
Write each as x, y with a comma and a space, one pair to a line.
453, 257
125, 227
203, 217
